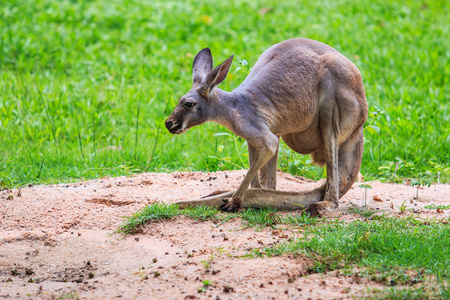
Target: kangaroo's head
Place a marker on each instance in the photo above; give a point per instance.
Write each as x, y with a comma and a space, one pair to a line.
196, 106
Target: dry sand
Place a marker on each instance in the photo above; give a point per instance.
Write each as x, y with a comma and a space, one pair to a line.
57, 242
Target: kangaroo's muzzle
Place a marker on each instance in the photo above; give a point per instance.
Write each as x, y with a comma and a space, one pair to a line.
173, 128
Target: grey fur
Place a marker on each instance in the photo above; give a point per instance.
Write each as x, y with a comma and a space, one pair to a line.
301, 90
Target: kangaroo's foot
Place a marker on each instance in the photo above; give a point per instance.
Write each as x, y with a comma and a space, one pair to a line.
319, 208
216, 201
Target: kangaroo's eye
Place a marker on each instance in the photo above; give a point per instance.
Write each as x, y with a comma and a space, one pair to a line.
189, 104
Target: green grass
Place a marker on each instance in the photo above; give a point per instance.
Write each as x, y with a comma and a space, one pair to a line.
300, 220
268, 217
258, 218
162, 211
85, 85
409, 256
413, 293
388, 250
364, 211
201, 213
434, 206
156, 211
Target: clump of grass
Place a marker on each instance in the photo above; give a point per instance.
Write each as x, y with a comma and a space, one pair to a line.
201, 213
264, 217
299, 220
259, 218
161, 211
364, 211
402, 207
156, 211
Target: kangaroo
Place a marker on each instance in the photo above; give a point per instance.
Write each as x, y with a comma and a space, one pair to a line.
301, 90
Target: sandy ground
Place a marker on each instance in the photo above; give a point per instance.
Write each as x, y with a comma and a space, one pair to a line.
57, 242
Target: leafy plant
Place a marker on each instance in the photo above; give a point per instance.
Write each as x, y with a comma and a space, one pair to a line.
374, 129
396, 170
238, 150
244, 67
206, 284
297, 164
374, 118
365, 186
423, 179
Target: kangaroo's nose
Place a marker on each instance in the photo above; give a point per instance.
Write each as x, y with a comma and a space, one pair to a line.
169, 124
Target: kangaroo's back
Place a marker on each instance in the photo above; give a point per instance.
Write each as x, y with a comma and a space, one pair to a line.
297, 56
286, 81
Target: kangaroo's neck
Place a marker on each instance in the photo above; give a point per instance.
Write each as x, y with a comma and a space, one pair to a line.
224, 108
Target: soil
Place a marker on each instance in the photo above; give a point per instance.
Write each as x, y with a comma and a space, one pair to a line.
58, 241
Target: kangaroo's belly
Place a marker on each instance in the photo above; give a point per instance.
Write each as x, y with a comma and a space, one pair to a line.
305, 142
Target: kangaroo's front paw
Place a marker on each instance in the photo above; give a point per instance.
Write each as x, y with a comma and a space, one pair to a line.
315, 210
229, 205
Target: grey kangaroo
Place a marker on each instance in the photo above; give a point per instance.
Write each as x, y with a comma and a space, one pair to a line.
301, 90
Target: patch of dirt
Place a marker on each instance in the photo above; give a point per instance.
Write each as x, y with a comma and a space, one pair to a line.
58, 241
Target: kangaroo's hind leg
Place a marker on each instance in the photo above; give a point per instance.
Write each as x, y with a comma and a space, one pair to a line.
342, 112
329, 153
349, 164
350, 158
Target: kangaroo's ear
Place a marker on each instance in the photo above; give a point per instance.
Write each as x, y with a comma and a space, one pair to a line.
203, 64
216, 76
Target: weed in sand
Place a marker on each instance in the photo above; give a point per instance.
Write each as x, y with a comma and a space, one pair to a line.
206, 284
71, 295
402, 207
